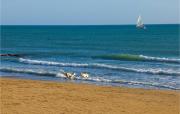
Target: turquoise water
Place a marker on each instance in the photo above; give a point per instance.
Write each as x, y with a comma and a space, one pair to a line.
112, 55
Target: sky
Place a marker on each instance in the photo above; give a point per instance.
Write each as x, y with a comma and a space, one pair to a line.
88, 12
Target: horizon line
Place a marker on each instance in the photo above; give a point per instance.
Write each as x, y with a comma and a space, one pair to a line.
83, 24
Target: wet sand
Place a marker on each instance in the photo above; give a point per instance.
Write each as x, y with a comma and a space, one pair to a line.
19, 96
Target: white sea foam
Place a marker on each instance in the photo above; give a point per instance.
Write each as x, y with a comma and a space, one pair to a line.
30, 61
29, 71
160, 59
158, 71
131, 57
60, 74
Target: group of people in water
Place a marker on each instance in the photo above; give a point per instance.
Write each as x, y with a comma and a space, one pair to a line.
72, 75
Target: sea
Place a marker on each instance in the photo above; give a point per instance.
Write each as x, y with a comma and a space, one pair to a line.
112, 55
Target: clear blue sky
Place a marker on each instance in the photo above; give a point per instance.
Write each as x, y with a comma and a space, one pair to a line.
88, 12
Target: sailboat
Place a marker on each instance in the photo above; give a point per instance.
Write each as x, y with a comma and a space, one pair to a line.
140, 23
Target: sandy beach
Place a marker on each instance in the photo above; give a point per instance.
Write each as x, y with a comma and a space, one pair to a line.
19, 96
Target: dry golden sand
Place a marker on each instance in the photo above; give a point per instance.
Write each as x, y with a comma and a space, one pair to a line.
20, 96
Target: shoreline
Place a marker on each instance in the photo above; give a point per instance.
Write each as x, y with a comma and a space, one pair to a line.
35, 97
65, 80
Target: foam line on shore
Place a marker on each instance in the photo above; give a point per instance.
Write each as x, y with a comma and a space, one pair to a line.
60, 74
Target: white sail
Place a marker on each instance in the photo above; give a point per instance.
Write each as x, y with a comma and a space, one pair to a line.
140, 23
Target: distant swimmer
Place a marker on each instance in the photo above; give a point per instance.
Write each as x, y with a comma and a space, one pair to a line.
70, 75
84, 74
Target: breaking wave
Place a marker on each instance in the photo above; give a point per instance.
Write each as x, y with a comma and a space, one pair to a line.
28, 71
131, 57
103, 66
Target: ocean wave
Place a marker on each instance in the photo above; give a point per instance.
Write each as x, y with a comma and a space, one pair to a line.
140, 70
60, 74
41, 72
154, 84
160, 59
28, 71
30, 61
131, 57
102, 66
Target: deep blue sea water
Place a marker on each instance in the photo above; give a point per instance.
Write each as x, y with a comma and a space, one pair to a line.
112, 55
